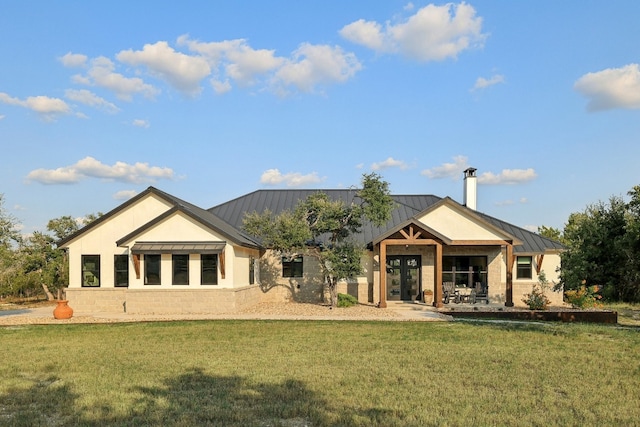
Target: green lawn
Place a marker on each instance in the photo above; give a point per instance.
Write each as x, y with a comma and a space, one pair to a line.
270, 373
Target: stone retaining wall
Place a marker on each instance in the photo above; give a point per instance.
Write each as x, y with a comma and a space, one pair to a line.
165, 301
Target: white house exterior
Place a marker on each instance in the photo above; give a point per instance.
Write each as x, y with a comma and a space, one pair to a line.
158, 254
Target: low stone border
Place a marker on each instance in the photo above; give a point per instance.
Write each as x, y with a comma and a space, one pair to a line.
587, 316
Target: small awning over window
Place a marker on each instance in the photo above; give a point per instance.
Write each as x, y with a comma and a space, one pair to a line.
178, 247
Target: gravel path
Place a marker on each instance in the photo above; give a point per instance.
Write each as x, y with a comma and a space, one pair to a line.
263, 311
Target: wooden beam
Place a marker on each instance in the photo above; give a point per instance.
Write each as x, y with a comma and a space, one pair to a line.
222, 264
136, 264
437, 288
539, 259
509, 290
383, 274
479, 243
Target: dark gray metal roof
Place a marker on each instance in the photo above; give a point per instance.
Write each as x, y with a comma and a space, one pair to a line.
178, 247
407, 207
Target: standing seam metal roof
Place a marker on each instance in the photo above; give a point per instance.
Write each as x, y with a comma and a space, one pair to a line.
407, 206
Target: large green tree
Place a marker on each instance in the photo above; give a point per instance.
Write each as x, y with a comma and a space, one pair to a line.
602, 248
324, 228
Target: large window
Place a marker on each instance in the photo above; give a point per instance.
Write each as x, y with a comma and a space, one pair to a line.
180, 269
209, 274
151, 269
464, 270
121, 271
91, 271
523, 267
292, 266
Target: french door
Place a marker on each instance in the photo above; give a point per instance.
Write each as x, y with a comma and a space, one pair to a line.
403, 277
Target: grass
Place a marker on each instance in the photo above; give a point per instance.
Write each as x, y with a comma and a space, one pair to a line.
271, 373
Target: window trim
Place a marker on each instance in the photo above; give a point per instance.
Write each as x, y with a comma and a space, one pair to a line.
95, 272
216, 261
146, 269
120, 257
288, 264
175, 273
525, 267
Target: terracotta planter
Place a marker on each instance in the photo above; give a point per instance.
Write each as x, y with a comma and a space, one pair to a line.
428, 298
62, 310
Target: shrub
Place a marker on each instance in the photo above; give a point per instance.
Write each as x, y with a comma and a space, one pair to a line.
346, 300
584, 297
537, 300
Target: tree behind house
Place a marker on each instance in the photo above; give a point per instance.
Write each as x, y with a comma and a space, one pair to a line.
324, 228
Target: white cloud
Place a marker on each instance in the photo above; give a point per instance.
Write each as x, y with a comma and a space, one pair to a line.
141, 123
292, 179
482, 83
102, 73
89, 98
312, 65
125, 194
508, 176
389, 163
433, 33
220, 87
92, 168
73, 60
307, 67
47, 108
611, 88
448, 170
2, 116
183, 72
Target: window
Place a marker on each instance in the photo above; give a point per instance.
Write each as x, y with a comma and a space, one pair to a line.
121, 271
209, 265
180, 269
254, 271
464, 270
91, 271
292, 266
523, 267
151, 269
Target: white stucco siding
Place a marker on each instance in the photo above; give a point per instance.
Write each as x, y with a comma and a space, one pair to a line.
455, 226
101, 240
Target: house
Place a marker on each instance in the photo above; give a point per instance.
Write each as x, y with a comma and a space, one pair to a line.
157, 253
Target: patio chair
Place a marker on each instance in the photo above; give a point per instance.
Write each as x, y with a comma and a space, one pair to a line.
450, 292
480, 292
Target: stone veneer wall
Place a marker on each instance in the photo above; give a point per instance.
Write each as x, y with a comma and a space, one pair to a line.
162, 301
520, 289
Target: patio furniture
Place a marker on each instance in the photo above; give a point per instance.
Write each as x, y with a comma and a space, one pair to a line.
450, 292
480, 292
465, 294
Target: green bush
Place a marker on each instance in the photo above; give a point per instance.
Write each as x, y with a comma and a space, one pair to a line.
346, 300
537, 300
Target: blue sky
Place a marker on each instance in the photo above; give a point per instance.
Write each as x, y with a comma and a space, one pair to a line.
212, 100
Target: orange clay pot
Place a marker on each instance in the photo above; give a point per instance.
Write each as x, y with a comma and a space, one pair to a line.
62, 310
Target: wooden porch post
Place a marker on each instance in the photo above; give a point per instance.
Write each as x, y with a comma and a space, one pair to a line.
383, 274
509, 290
437, 288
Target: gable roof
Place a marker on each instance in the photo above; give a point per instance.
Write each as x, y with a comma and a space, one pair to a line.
208, 219
408, 207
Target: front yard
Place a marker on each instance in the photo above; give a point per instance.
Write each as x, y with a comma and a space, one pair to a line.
295, 373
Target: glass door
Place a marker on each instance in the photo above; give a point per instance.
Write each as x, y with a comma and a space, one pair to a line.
403, 277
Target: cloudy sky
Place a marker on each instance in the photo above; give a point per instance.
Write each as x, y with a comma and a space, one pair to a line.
212, 100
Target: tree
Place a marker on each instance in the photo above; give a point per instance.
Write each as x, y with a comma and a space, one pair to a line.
551, 233
324, 228
63, 226
602, 248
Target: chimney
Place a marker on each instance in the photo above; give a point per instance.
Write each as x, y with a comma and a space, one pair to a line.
470, 188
